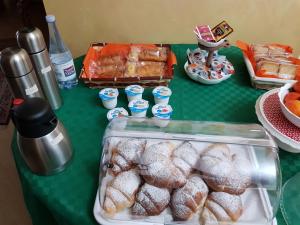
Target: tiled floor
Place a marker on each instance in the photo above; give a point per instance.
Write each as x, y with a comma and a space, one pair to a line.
12, 207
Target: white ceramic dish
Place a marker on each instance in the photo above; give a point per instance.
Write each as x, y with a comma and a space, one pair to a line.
261, 80
210, 44
286, 112
283, 141
202, 80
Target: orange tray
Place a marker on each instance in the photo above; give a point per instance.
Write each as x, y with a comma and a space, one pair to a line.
97, 49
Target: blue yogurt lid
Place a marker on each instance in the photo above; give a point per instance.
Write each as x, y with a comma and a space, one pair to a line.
162, 92
139, 105
133, 90
107, 94
162, 111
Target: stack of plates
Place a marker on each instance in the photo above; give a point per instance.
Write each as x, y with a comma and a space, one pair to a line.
269, 113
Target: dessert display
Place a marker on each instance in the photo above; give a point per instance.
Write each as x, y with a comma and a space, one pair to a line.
125, 64
109, 97
149, 178
270, 65
116, 112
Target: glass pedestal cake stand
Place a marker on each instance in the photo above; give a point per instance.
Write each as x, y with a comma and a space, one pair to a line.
290, 200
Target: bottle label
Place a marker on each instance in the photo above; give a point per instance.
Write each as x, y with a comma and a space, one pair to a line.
66, 71
31, 90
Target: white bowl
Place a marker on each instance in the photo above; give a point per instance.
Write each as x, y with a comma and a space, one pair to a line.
203, 80
210, 44
286, 112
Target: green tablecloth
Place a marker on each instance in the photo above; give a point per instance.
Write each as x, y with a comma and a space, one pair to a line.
68, 198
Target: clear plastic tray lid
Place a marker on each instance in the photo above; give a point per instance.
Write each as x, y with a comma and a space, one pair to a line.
188, 172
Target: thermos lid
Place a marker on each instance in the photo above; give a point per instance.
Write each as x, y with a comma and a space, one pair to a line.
33, 118
15, 62
31, 39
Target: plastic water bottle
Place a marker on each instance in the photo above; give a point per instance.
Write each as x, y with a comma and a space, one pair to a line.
61, 57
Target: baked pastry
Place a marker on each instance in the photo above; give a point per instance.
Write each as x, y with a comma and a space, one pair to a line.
120, 192
269, 67
185, 158
287, 71
189, 199
145, 69
221, 207
158, 54
110, 71
223, 171
157, 168
126, 154
151, 200
110, 60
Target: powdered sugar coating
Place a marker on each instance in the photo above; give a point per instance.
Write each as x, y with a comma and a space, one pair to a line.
120, 193
182, 166
232, 204
127, 153
207, 217
157, 168
157, 152
218, 151
221, 170
151, 200
127, 182
187, 152
186, 200
163, 174
185, 157
217, 210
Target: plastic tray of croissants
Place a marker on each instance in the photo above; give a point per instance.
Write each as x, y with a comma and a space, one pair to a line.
155, 181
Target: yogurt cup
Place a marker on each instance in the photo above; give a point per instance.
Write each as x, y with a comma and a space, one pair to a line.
162, 111
161, 95
162, 114
109, 97
138, 108
116, 113
134, 92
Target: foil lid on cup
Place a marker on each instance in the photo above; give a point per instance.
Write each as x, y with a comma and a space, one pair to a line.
162, 92
107, 94
116, 113
139, 105
162, 111
133, 90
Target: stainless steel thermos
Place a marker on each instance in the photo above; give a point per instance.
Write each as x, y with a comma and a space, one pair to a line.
32, 40
16, 65
41, 137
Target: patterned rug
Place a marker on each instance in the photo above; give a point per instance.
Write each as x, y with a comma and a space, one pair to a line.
5, 100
